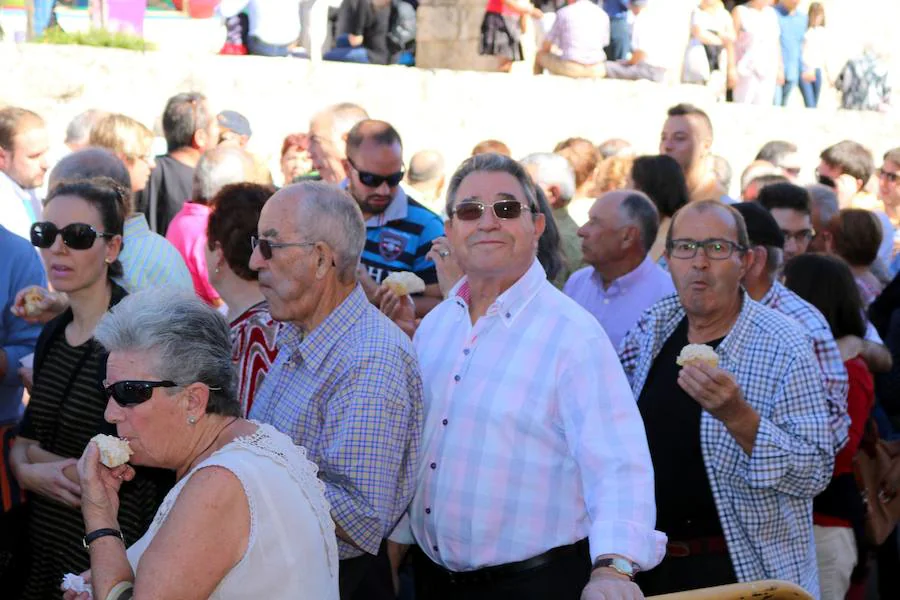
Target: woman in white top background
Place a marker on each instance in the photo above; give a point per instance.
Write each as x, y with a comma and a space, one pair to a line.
758, 66
815, 53
712, 42
247, 517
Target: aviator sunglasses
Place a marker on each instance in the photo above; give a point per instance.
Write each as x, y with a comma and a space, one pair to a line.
374, 180
77, 236
504, 209
131, 393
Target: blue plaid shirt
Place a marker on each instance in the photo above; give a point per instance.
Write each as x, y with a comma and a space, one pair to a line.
350, 392
764, 500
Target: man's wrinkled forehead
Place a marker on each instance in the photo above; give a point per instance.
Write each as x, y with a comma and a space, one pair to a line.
703, 223
280, 214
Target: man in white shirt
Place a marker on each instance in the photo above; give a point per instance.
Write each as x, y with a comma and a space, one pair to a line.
580, 33
23, 163
647, 60
535, 480
274, 24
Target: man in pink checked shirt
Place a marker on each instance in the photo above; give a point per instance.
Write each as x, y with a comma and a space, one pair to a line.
535, 479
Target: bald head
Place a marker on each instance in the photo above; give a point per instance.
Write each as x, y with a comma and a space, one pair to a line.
89, 163
217, 168
336, 121
706, 206
636, 209
371, 132
425, 165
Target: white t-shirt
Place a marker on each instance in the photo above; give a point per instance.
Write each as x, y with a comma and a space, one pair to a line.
647, 37
272, 21
815, 48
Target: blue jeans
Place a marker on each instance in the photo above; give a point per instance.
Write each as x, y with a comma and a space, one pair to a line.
43, 15
619, 39
782, 92
811, 90
344, 52
258, 47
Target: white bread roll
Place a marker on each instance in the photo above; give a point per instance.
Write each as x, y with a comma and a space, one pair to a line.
113, 451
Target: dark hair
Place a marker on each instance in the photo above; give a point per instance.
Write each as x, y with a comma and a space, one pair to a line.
491, 147
743, 238
380, 132
11, 120
689, 110
852, 158
233, 220
857, 236
639, 210
662, 179
583, 155
827, 283
549, 250
816, 10
775, 152
294, 140
784, 195
892, 155
183, 116
764, 181
109, 198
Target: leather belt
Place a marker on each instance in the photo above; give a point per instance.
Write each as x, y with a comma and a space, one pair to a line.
508, 570
696, 547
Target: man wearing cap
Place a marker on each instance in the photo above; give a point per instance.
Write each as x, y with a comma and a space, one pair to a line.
647, 60
234, 128
761, 282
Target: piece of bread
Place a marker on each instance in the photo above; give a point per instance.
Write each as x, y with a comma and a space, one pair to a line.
113, 451
403, 283
33, 298
697, 353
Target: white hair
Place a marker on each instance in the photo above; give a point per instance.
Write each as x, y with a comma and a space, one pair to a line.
552, 170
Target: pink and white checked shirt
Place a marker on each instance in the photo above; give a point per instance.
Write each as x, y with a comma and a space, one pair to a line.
581, 31
532, 436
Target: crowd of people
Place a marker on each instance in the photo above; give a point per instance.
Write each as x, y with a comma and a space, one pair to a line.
754, 52
525, 425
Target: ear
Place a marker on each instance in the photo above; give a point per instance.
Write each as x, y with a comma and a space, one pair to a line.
5, 156
200, 139
197, 397
750, 262
553, 194
113, 247
630, 236
219, 256
325, 259
346, 166
540, 223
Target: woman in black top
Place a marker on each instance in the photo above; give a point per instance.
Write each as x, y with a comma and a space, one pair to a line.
80, 239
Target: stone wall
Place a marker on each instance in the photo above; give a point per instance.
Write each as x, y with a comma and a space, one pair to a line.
447, 110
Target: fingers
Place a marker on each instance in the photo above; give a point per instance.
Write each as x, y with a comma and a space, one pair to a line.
67, 497
123, 472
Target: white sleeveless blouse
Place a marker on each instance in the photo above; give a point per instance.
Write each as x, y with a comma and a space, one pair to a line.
292, 549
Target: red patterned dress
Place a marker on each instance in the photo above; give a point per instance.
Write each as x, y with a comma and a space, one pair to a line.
253, 350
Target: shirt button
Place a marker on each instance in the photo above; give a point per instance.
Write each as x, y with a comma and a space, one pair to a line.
427, 511
508, 315
466, 351
444, 422
456, 378
434, 548
434, 465
606, 301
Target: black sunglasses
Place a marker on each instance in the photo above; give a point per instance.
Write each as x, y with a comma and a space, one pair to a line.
504, 209
373, 180
265, 246
131, 393
77, 236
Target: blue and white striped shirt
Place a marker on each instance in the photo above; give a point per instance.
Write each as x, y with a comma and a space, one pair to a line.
149, 260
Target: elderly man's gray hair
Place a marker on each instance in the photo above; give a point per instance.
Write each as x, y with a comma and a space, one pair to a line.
825, 200
186, 341
552, 170
79, 129
217, 168
492, 163
638, 209
88, 163
331, 215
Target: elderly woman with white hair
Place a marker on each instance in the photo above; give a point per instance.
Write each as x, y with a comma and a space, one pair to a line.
247, 517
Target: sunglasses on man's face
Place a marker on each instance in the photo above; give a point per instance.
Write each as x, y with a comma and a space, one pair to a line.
77, 236
132, 393
504, 209
265, 246
373, 180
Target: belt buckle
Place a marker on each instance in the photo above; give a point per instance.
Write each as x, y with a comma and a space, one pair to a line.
678, 549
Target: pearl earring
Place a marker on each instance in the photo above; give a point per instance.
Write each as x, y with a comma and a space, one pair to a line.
192, 420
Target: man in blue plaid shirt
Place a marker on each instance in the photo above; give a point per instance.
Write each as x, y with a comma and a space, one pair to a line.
739, 449
346, 383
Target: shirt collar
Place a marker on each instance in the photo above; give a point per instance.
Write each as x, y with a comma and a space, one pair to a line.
397, 210
771, 297
136, 224
627, 281
313, 347
195, 208
510, 303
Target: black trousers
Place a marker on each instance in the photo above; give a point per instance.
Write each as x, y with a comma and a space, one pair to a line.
563, 578
367, 577
687, 573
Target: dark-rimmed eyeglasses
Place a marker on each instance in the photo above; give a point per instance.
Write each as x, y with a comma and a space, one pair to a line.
804, 235
504, 209
892, 177
77, 236
265, 246
134, 392
373, 180
713, 248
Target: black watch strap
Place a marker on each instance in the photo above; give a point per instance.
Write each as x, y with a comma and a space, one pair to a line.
99, 533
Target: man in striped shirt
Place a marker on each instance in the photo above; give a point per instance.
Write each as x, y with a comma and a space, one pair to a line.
535, 479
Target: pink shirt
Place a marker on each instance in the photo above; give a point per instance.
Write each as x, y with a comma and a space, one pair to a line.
187, 232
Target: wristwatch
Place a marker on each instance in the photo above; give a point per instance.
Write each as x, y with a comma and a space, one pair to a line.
619, 565
99, 533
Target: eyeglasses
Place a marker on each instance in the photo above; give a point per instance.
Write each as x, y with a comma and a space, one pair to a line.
504, 209
132, 393
77, 236
804, 235
373, 180
892, 177
714, 249
265, 246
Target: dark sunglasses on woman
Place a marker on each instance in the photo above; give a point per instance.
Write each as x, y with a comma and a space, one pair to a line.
77, 236
504, 209
373, 180
132, 393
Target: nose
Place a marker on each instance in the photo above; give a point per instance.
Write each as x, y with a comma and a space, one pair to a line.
790, 245
384, 189
581, 232
58, 247
700, 260
488, 220
257, 262
113, 413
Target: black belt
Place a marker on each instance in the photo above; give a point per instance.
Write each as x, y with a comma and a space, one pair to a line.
505, 571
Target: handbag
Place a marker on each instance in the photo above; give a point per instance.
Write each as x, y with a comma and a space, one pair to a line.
876, 467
